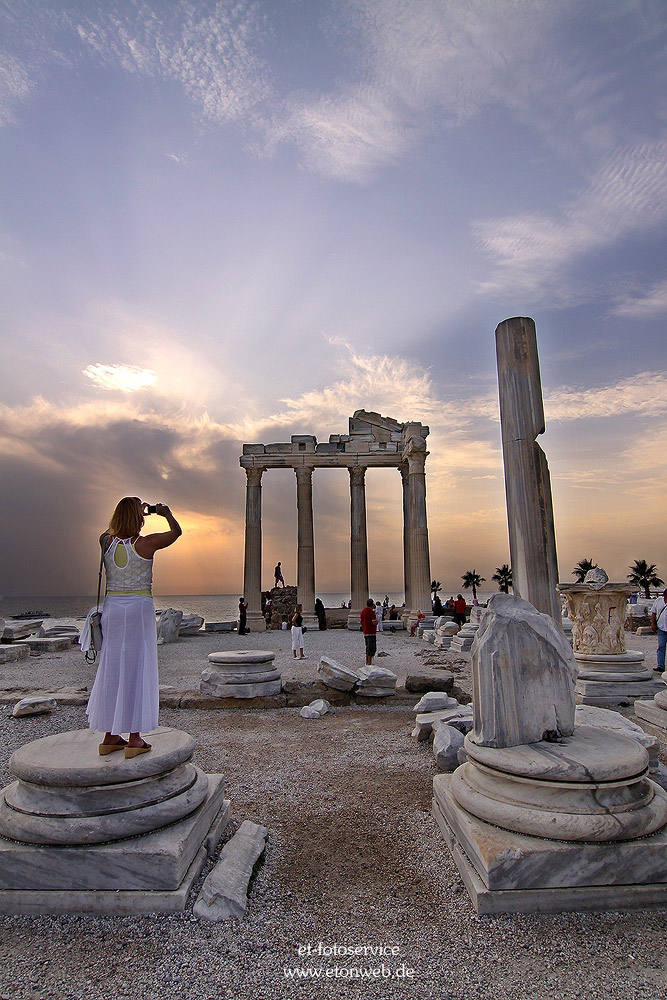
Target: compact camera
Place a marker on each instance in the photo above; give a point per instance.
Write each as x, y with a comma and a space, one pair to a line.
150, 508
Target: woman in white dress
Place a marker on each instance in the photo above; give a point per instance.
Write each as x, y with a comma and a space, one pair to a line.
125, 695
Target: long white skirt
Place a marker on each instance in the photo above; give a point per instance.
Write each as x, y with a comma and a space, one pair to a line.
297, 637
125, 695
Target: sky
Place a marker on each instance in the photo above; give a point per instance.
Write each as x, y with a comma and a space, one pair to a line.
234, 221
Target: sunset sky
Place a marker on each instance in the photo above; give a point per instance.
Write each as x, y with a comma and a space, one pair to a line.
228, 222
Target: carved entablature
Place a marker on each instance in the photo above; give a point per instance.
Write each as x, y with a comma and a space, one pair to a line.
372, 440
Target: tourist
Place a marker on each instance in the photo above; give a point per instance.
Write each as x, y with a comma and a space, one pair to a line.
379, 614
437, 605
297, 632
321, 615
369, 624
125, 694
415, 625
385, 603
243, 609
393, 613
278, 574
659, 625
460, 610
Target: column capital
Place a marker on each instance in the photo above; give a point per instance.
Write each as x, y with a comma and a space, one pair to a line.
304, 473
254, 475
357, 474
416, 464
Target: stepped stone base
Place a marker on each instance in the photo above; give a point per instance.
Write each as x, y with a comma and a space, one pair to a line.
651, 712
609, 694
507, 872
70, 821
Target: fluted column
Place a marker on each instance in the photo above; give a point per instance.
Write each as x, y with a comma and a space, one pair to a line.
358, 545
418, 555
403, 469
252, 563
305, 580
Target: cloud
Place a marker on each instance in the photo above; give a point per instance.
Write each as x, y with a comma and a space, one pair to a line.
413, 68
535, 254
212, 54
644, 394
651, 303
123, 378
15, 86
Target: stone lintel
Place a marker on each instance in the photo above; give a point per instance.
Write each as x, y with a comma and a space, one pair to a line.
323, 460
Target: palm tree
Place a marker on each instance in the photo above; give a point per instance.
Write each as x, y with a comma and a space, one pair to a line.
472, 579
643, 576
435, 587
503, 577
582, 568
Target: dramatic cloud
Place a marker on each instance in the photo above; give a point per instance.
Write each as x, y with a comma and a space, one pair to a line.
536, 254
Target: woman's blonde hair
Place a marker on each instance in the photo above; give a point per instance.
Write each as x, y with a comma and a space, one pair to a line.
128, 518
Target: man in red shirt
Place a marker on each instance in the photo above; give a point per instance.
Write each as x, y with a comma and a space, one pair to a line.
369, 624
460, 610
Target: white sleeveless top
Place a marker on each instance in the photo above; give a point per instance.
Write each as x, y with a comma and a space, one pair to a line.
126, 571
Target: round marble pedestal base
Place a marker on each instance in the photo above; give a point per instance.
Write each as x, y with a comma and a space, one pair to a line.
614, 668
591, 786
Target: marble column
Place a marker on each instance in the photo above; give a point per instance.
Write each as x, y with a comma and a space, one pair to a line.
403, 469
252, 563
419, 570
527, 483
305, 581
358, 545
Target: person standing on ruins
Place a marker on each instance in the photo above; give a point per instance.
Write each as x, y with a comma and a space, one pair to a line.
659, 625
278, 574
369, 624
460, 610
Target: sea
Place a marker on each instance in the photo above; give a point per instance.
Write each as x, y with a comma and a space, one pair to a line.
211, 607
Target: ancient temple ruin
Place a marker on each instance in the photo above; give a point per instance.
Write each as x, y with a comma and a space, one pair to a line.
372, 442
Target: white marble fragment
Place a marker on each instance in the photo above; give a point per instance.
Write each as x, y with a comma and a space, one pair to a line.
432, 701
224, 893
316, 709
33, 705
523, 675
446, 744
335, 675
168, 625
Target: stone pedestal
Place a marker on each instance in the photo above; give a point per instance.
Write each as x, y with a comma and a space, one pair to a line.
81, 833
609, 674
241, 674
544, 816
654, 711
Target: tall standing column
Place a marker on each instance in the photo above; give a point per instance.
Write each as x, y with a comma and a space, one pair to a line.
252, 563
305, 581
527, 481
358, 545
418, 554
403, 469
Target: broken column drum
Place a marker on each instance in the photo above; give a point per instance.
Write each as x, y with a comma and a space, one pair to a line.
373, 442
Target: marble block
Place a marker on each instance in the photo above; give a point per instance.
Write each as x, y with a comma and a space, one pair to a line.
337, 676
215, 676
38, 645
224, 893
376, 677
650, 711
14, 653
248, 690
433, 701
523, 675
605, 718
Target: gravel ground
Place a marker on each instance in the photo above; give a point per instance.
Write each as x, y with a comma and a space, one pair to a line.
353, 859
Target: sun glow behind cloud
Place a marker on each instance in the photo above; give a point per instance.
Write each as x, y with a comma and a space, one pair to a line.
123, 378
